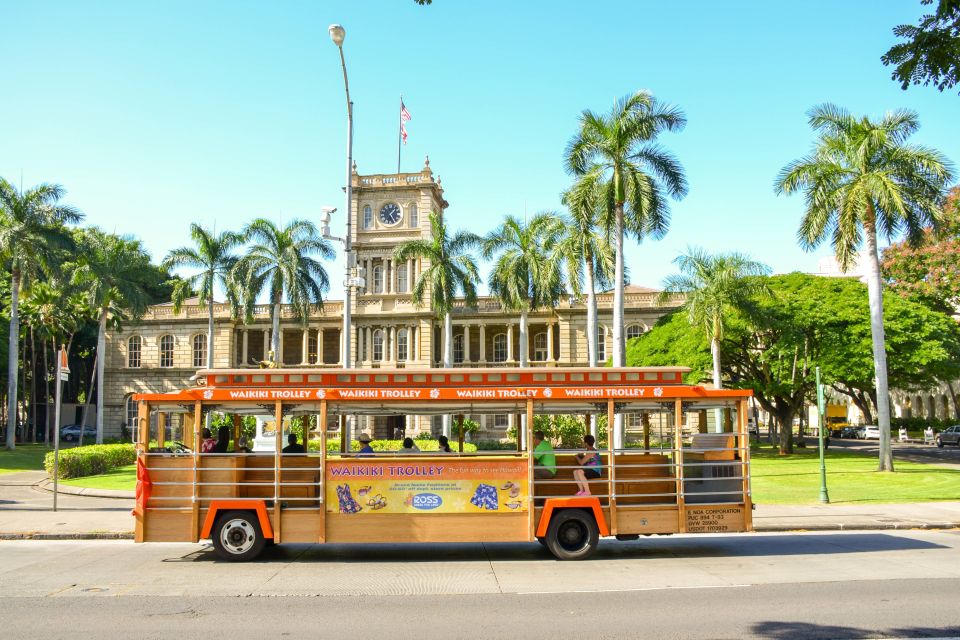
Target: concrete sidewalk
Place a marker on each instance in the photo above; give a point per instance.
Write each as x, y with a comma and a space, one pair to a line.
26, 513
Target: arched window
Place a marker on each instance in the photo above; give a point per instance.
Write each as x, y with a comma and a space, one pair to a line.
540, 347
378, 345
634, 331
413, 215
402, 345
200, 350
458, 348
166, 351
402, 278
312, 348
378, 279
500, 347
601, 343
367, 217
133, 416
134, 350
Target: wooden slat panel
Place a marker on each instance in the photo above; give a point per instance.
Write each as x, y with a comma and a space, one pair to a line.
500, 527
302, 526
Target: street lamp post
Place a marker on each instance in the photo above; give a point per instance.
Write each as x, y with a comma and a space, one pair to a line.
337, 34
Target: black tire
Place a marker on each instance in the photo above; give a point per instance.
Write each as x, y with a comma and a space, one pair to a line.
572, 534
542, 541
940, 443
237, 537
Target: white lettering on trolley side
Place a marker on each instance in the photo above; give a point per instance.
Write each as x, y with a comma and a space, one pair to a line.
635, 392
473, 394
378, 394
271, 394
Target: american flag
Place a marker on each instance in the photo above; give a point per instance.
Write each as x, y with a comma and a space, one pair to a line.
404, 117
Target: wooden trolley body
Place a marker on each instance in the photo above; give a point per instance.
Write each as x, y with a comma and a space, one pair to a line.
687, 479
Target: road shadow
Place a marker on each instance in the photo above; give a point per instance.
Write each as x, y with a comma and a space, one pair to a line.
810, 631
703, 546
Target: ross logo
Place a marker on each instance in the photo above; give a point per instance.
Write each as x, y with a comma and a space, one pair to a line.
426, 501
208, 394
434, 393
547, 392
658, 391
321, 393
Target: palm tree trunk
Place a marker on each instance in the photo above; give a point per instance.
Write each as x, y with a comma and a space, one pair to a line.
619, 354
101, 363
275, 338
447, 362
13, 360
875, 294
32, 435
591, 315
524, 346
210, 328
715, 352
86, 405
953, 398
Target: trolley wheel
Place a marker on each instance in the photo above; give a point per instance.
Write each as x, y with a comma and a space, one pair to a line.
237, 536
572, 534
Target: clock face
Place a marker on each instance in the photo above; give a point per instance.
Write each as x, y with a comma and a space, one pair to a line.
390, 214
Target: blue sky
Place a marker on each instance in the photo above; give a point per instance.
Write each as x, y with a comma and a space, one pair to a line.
156, 115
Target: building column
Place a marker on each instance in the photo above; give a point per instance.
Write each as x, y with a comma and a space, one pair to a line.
266, 344
466, 343
319, 346
368, 344
550, 354
393, 344
509, 343
415, 341
483, 343
245, 351
411, 275
279, 356
305, 347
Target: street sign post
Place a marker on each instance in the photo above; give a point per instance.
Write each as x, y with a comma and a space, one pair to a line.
821, 410
62, 375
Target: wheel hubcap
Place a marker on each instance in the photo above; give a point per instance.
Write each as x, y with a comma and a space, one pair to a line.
237, 536
572, 536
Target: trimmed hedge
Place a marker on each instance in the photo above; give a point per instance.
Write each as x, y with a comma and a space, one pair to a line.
91, 460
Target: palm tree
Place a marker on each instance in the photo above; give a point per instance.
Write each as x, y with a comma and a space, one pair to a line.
31, 234
449, 269
110, 270
616, 153
861, 178
279, 262
713, 286
585, 247
212, 255
526, 275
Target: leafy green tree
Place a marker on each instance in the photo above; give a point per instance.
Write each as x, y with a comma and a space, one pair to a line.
931, 53
527, 270
32, 234
111, 271
279, 262
448, 268
585, 247
212, 254
617, 153
713, 287
861, 179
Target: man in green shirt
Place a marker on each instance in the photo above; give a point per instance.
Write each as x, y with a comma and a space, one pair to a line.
544, 460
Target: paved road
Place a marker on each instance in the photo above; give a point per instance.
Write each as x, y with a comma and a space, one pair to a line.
947, 456
25, 508
837, 585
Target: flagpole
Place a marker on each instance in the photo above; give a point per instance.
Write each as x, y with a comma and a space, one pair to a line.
399, 131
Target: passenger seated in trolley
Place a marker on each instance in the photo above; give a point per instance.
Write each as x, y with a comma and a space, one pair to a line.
589, 462
293, 446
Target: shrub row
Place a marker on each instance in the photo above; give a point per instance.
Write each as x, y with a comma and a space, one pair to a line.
919, 424
91, 460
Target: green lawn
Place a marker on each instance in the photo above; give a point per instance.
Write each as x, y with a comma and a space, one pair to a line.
124, 478
851, 478
26, 457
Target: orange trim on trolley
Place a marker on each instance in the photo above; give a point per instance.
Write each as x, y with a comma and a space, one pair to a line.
239, 505
585, 502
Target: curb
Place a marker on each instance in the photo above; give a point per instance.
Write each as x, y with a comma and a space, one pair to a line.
895, 526
67, 536
47, 485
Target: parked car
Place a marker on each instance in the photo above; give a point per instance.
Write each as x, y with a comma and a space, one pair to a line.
950, 435
870, 432
71, 433
849, 432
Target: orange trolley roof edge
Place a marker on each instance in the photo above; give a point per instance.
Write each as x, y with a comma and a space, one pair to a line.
442, 385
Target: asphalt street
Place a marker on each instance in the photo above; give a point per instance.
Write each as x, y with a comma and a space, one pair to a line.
947, 456
814, 585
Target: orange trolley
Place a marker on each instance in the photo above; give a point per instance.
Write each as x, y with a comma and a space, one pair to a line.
675, 459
